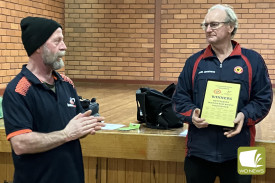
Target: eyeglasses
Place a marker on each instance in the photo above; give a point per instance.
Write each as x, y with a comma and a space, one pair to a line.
213, 25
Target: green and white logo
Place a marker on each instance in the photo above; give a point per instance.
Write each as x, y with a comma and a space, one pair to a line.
251, 160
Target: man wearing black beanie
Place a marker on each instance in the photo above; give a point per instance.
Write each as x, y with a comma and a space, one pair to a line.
42, 114
36, 31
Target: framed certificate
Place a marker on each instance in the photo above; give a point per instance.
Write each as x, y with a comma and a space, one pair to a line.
220, 103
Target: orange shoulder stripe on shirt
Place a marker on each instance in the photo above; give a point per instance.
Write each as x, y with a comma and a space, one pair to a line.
67, 79
23, 86
19, 132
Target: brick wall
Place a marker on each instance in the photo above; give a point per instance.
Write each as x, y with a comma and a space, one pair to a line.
12, 52
146, 40
151, 39
181, 33
110, 39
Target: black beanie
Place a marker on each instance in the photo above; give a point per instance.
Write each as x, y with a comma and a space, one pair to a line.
36, 31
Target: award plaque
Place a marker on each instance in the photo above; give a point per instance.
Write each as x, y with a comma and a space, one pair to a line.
220, 103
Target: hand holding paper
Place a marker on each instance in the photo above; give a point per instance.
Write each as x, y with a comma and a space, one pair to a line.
238, 126
197, 121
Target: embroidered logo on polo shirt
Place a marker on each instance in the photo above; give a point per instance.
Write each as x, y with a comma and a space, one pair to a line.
238, 69
71, 103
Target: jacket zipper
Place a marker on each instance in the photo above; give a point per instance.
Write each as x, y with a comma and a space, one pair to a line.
220, 74
217, 131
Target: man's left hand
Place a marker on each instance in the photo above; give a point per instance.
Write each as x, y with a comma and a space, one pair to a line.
238, 126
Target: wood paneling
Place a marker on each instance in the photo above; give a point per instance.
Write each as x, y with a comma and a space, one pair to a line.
115, 170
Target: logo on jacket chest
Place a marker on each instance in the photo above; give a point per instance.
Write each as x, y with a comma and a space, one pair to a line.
71, 102
238, 70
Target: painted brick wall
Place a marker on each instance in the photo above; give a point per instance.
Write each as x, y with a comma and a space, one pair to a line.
12, 52
151, 39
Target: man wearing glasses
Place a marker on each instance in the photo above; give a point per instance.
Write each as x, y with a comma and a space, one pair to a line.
212, 149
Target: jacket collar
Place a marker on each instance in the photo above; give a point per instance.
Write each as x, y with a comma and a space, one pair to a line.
236, 51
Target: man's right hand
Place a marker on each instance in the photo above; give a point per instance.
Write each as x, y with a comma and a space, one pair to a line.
81, 125
197, 121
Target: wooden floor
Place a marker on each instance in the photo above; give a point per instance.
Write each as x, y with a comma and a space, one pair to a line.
118, 105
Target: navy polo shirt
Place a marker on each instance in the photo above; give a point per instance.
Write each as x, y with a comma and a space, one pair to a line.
29, 105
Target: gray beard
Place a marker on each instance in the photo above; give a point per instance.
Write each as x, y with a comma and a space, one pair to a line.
53, 60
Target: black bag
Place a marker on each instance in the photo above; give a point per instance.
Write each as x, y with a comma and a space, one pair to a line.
90, 105
154, 108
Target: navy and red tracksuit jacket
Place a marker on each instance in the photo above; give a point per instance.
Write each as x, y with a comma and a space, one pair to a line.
243, 66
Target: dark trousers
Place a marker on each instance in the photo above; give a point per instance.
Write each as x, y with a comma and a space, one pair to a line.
198, 170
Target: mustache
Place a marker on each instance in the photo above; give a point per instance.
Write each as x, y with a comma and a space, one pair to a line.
61, 53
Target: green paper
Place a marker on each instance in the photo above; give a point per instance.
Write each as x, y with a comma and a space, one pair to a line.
132, 126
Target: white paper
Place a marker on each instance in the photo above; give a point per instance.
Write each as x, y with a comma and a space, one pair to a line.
109, 126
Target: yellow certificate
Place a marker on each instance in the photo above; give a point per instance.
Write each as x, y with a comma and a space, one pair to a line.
220, 103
